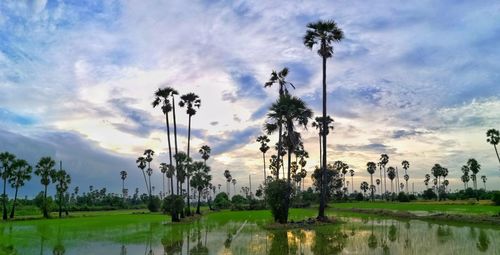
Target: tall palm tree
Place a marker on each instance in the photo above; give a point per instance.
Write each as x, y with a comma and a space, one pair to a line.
149, 158
371, 167
190, 101
162, 96
406, 165
228, 177
20, 174
173, 93
279, 78
483, 177
364, 187
351, 172
7, 161
474, 167
493, 138
205, 151
263, 140
170, 174
465, 180
163, 170
391, 173
384, 160
318, 124
123, 176
465, 177
45, 169
233, 181
141, 164
183, 162
324, 33
437, 172
201, 180
62, 180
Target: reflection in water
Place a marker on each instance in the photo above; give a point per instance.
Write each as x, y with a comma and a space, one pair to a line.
392, 233
484, 241
123, 250
279, 243
443, 233
59, 249
326, 242
372, 240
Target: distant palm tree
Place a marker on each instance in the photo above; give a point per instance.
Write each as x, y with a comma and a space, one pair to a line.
318, 124
384, 160
465, 180
164, 169
371, 167
141, 164
465, 177
227, 175
493, 138
324, 33
364, 187
7, 161
406, 165
378, 183
205, 153
162, 96
123, 176
263, 140
426, 180
474, 167
62, 180
233, 181
149, 158
170, 174
183, 162
190, 101
45, 169
391, 173
484, 181
20, 174
351, 172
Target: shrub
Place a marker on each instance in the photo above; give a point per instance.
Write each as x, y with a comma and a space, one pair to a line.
173, 205
154, 204
402, 197
412, 197
359, 197
496, 198
238, 202
429, 194
221, 201
276, 192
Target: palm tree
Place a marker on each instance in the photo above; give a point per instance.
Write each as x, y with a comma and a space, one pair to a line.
324, 33
170, 174
279, 78
406, 165
190, 101
493, 138
205, 153
63, 180
384, 160
123, 176
426, 180
45, 169
378, 183
484, 181
438, 171
391, 173
474, 167
149, 157
141, 164
173, 93
465, 179
7, 161
351, 172
201, 180
163, 170
228, 177
162, 97
20, 174
233, 181
263, 140
364, 187
371, 167
183, 162
318, 124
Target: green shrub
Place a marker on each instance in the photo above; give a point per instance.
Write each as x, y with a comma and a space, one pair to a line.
276, 192
412, 197
429, 194
238, 203
402, 197
221, 201
173, 205
496, 198
359, 197
154, 204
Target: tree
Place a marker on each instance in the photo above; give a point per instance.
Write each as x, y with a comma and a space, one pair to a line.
205, 153
318, 124
228, 177
465, 177
183, 162
20, 174
364, 187
391, 173
426, 180
164, 169
465, 180
263, 140
7, 161
406, 165
190, 101
384, 160
279, 78
371, 167
324, 33
474, 167
123, 176
162, 96
201, 180
333, 181
149, 158
62, 180
493, 138
378, 183
351, 172
141, 164
45, 170
172, 96
484, 181
233, 181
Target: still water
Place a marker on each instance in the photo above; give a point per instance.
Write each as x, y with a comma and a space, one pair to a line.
208, 236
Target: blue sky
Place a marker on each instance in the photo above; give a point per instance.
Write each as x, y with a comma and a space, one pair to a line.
415, 79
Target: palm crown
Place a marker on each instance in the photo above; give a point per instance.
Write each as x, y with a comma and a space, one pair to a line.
205, 152
371, 167
324, 33
280, 79
45, 169
191, 101
493, 136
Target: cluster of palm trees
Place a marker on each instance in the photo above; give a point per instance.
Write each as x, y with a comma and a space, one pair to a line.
391, 173
17, 172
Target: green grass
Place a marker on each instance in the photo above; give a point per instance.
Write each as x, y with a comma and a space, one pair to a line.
432, 207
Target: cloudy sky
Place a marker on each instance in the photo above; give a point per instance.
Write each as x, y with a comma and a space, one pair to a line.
417, 80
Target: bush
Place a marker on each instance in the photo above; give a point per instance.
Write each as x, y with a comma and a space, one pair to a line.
412, 197
238, 203
402, 197
496, 198
154, 204
359, 197
173, 205
276, 192
221, 201
429, 194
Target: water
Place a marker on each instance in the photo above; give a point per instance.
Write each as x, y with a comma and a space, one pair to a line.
208, 236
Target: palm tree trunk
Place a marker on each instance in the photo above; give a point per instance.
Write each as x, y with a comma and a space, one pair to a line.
278, 161
380, 170
4, 199
352, 183
322, 203
496, 151
189, 143
371, 185
45, 213
198, 206
175, 139
320, 149
397, 180
385, 183
15, 200
264, 159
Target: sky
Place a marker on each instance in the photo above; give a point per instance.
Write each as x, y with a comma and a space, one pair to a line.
417, 80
